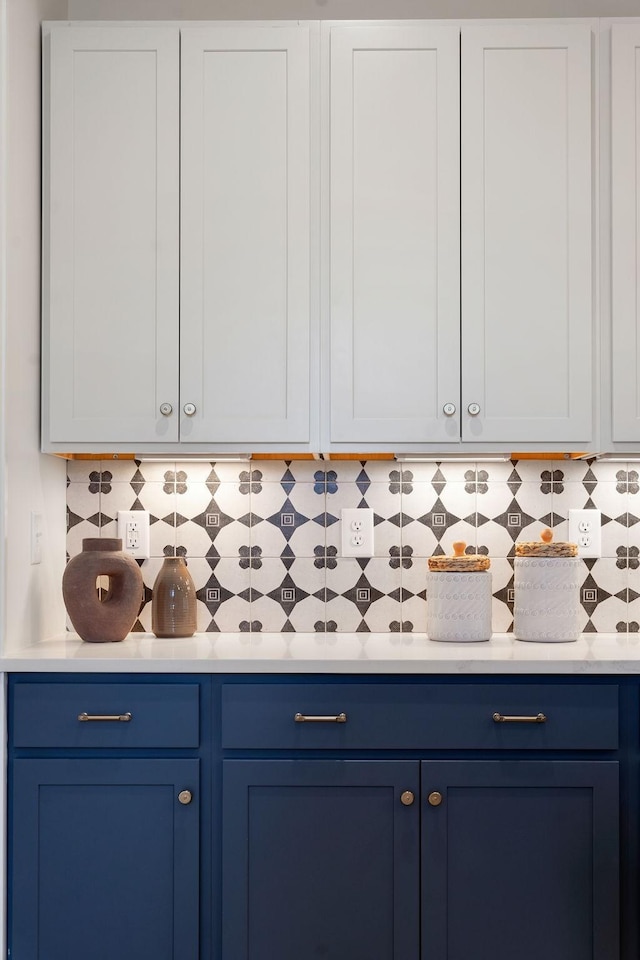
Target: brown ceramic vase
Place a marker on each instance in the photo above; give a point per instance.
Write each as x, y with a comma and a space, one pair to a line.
173, 608
110, 617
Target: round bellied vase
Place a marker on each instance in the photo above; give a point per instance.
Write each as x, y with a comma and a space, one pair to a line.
102, 616
174, 603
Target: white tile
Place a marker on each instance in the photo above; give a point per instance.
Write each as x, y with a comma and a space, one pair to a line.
495, 539
82, 502
77, 533
156, 471
419, 539
229, 470
494, 501
530, 471
78, 470
419, 500
494, 471
414, 615
265, 471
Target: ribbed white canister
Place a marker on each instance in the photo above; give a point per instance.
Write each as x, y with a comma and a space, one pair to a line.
547, 599
459, 606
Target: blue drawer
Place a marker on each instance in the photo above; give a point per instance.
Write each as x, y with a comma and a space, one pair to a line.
419, 716
161, 715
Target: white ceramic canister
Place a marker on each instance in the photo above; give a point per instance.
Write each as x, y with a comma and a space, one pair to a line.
547, 599
459, 606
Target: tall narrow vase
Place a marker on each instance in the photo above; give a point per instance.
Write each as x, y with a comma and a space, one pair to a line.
106, 618
173, 607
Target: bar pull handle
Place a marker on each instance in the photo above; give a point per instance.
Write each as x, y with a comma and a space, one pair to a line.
501, 718
122, 717
304, 718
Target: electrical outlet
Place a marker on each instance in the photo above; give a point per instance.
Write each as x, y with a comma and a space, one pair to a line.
584, 529
357, 532
133, 530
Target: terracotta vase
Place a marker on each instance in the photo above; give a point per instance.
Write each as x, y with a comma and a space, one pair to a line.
106, 618
173, 608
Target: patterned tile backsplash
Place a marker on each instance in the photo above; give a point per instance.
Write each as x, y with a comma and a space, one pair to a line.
262, 539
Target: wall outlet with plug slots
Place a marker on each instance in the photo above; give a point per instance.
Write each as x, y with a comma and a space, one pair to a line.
133, 530
584, 529
357, 532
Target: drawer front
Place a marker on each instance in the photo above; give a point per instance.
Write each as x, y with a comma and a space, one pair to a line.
419, 716
162, 715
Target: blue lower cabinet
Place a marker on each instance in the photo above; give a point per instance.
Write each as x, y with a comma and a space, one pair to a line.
320, 859
104, 859
520, 860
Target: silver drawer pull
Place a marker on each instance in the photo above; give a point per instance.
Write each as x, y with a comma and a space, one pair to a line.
303, 718
501, 718
123, 717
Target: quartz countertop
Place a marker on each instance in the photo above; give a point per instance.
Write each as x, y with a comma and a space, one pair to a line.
329, 653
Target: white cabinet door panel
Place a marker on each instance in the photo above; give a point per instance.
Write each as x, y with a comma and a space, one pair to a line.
394, 227
111, 235
527, 300
245, 219
625, 124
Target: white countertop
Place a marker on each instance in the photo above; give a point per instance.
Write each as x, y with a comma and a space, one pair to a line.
333, 653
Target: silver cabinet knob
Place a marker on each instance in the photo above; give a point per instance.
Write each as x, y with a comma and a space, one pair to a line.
474, 409
189, 409
185, 796
166, 409
449, 409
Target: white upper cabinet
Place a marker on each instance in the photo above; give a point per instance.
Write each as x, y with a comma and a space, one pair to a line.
625, 156
110, 246
527, 298
245, 235
211, 191
178, 239
394, 234
479, 337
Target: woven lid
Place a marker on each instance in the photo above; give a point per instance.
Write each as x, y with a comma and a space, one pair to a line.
460, 562
545, 548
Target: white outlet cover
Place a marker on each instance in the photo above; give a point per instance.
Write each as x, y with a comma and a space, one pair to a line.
357, 532
133, 530
585, 530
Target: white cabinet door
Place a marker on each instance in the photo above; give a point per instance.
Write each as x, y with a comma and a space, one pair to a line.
527, 302
245, 234
625, 131
111, 191
394, 234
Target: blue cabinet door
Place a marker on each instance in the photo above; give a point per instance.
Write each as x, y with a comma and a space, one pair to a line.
520, 860
105, 859
320, 859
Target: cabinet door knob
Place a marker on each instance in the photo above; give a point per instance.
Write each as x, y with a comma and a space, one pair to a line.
435, 798
407, 798
449, 409
166, 409
189, 409
474, 409
185, 796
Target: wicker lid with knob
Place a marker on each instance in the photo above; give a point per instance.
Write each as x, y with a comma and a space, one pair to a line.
545, 548
460, 562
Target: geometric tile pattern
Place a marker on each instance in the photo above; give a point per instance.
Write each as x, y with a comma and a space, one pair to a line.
262, 539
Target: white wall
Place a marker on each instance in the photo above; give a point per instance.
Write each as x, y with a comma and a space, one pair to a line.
33, 598
343, 9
